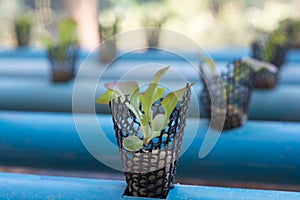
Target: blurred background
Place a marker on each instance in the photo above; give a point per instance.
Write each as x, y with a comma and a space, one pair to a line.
228, 25
211, 23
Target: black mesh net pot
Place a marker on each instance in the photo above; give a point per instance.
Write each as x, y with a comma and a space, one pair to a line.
150, 171
237, 82
63, 59
264, 78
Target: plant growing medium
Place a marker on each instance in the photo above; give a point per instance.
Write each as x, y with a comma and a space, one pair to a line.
23, 26
63, 51
149, 128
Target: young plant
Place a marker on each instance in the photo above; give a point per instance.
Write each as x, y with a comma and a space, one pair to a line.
158, 18
290, 28
23, 26
214, 81
221, 93
267, 46
66, 32
153, 22
62, 49
140, 104
275, 40
108, 24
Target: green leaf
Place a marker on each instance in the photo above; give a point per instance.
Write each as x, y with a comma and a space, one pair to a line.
150, 127
130, 88
106, 97
158, 75
123, 88
151, 95
158, 122
132, 143
147, 102
170, 102
67, 31
135, 101
116, 89
210, 63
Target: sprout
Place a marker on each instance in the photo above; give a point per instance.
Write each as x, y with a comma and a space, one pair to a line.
150, 126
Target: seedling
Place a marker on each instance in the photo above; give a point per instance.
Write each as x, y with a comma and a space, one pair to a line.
23, 26
66, 36
274, 41
140, 103
154, 21
62, 49
291, 28
231, 90
108, 25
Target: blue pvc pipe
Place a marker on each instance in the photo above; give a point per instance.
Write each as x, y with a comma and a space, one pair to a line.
219, 55
40, 68
261, 151
281, 103
223, 54
45, 140
267, 152
19, 187
30, 52
290, 73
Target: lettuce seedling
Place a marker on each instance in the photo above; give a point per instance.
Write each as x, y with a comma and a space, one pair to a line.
140, 104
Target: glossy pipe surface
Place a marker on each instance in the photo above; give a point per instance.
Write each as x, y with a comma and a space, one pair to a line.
18, 186
281, 103
259, 151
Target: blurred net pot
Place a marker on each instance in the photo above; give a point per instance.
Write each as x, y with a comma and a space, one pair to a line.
291, 28
231, 92
270, 48
63, 59
62, 50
